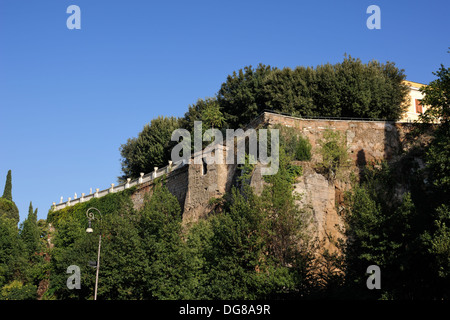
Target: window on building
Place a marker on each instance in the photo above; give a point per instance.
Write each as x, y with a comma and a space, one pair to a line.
418, 106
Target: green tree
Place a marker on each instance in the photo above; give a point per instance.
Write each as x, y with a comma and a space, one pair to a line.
397, 232
195, 113
8, 249
212, 116
286, 221
123, 259
30, 233
241, 96
437, 176
16, 290
346, 89
7, 193
11, 257
72, 246
237, 249
8, 208
437, 100
170, 273
372, 90
291, 91
152, 148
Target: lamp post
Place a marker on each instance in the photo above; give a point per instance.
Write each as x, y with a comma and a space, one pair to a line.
90, 216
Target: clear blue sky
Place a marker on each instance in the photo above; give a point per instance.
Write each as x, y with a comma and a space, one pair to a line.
70, 98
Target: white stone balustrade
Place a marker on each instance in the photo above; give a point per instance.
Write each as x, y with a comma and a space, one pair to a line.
128, 184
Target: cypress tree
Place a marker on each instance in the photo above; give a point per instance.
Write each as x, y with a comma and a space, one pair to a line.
30, 232
7, 193
7, 207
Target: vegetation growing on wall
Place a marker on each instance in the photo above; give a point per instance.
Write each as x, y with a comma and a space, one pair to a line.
108, 204
334, 153
296, 146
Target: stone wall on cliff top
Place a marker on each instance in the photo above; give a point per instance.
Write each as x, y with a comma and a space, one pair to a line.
196, 184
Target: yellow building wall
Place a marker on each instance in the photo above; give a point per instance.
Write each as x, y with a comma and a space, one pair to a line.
414, 93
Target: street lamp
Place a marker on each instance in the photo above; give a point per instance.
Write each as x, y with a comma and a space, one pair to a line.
90, 216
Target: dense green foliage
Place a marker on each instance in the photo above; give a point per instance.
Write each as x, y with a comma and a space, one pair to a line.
152, 148
346, 89
211, 116
9, 210
16, 290
405, 233
9, 250
22, 257
437, 100
401, 234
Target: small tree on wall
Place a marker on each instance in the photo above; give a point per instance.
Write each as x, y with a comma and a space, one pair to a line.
334, 153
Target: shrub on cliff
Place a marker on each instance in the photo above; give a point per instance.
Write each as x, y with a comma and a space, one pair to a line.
334, 153
296, 146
